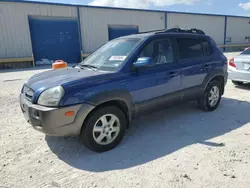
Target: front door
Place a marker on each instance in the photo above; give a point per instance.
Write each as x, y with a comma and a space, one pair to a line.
160, 79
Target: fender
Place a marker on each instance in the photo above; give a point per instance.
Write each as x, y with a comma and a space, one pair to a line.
210, 76
107, 96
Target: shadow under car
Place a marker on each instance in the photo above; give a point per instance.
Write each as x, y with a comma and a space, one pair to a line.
154, 136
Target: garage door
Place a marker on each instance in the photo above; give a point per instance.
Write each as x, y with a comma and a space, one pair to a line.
54, 38
116, 31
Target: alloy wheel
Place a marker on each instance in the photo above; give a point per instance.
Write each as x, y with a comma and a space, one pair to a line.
106, 129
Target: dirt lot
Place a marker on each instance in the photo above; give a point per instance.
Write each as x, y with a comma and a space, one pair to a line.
177, 147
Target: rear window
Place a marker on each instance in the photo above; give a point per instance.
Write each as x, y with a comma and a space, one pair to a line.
247, 52
189, 48
193, 48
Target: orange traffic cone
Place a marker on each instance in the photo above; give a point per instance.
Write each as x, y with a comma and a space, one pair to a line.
59, 64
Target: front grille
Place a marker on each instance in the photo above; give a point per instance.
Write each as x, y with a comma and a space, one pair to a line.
28, 92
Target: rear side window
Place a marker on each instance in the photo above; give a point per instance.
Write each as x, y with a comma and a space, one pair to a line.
193, 48
207, 49
189, 48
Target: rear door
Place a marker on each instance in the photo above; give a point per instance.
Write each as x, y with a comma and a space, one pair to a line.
195, 61
160, 79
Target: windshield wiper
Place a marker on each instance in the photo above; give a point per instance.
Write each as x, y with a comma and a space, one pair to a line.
88, 66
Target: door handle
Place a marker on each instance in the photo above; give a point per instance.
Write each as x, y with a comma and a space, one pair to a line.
173, 73
207, 66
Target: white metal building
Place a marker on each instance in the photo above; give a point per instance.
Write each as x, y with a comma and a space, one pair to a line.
30, 28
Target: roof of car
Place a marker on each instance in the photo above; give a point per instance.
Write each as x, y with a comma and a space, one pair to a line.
169, 32
146, 35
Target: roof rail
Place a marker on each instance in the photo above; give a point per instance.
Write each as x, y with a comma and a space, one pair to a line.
152, 31
179, 30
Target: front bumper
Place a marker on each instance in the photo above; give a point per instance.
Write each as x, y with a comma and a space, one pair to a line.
236, 75
52, 121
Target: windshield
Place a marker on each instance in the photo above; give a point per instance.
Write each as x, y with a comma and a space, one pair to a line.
111, 55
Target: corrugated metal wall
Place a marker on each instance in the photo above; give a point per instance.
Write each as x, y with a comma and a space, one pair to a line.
94, 23
211, 25
14, 26
15, 40
238, 29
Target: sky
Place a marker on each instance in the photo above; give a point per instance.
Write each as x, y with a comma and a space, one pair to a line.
225, 7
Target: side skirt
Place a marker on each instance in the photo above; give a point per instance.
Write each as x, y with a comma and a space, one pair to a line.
168, 100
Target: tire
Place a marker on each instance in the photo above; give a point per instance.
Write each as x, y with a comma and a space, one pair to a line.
237, 83
98, 135
205, 102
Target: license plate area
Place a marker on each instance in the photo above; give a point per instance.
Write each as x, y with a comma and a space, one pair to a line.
246, 66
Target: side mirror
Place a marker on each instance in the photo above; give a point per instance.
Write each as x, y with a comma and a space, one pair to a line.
143, 62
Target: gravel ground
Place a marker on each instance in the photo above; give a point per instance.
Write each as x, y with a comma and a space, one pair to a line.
177, 147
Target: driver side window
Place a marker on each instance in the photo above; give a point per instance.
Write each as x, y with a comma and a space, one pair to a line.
160, 51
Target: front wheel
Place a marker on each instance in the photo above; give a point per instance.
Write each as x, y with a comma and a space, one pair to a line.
104, 129
211, 97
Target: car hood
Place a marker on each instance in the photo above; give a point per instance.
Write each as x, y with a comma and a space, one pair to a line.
59, 77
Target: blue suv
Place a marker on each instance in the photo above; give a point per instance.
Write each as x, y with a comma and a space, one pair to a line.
124, 78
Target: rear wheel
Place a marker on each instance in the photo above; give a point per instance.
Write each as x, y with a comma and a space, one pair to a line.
104, 129
237, 83
211, 97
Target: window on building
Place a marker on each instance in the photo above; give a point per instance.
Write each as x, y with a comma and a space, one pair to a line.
247, 39
160, 51
228, 39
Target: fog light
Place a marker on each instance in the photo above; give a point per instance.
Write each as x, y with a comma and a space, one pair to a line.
35, 114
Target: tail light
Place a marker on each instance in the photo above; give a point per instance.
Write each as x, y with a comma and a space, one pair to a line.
231, 63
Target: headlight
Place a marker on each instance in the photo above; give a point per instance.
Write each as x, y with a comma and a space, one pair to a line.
51, 97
